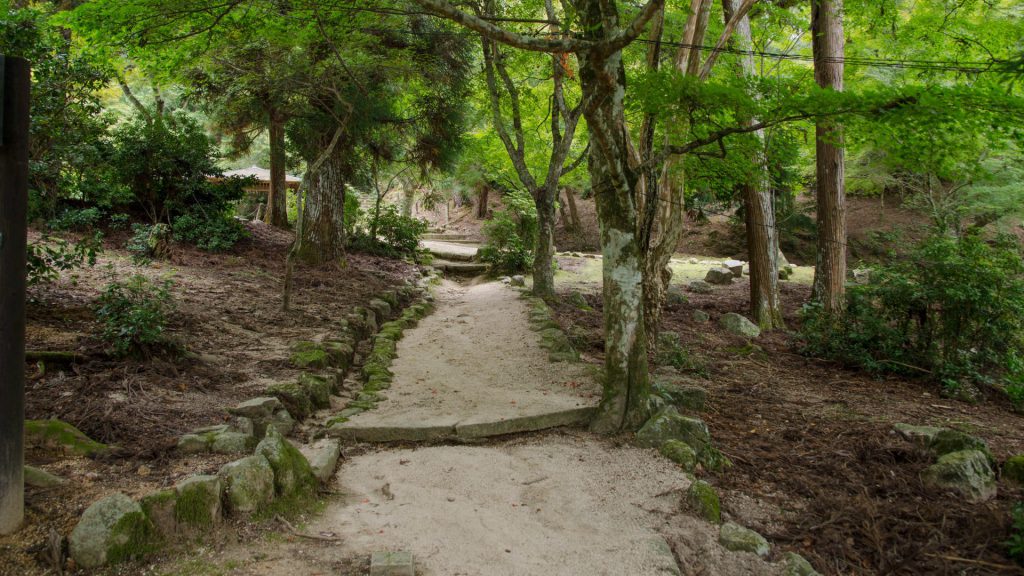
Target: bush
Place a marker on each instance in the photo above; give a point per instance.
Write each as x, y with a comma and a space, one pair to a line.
1015, 545
148, 242
505, 250
396, 234
80, 219
49, 257
954, 309
134, 315
212, 234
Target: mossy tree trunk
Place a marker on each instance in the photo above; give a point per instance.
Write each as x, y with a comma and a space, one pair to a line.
323, 227
544, 248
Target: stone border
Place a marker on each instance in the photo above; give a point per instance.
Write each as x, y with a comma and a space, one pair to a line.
552, 338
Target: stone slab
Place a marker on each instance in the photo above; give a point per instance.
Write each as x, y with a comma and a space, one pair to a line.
470, 429
323, 457
392, 564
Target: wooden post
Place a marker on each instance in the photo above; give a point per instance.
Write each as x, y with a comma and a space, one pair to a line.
13, 238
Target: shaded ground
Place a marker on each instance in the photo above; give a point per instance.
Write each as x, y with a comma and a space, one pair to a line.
817, 468
228, 317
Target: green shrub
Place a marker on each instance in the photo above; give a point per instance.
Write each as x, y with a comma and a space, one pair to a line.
214, 234
396, 234
80, 219
1015, 545
148, 242
51, 256
670, 352
505, 250
953, 309
134, 315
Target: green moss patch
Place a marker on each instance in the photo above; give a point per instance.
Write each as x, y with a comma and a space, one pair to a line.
703, 500
59, 435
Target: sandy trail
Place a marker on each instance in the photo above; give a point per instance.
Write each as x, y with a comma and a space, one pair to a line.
475, 360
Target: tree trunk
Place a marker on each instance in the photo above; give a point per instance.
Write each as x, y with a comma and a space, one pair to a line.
481, 201
323, 226
564, 213
408, 200
574, 215
544, 250
830, 262
625, 402
277, 198
758, 204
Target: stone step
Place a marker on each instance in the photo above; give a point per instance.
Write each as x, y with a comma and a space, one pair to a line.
461, 268
446, 237
464, 429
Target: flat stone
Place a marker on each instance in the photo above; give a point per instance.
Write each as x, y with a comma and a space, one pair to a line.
111, 530
283, 422
392, 564
39, 478
469, 429
261, 407
736, 538
920, 435
248, 484
323, 457
739, 325
967, 472
405, 433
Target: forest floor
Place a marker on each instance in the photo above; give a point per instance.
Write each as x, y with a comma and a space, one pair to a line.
818, 468
227, 316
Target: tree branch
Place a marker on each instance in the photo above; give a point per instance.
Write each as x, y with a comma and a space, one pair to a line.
730, 26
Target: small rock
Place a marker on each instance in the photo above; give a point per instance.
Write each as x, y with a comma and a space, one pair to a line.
967, 472
143, 471
231, 442
193, 444
862, 275
323, 458
720, 276
920, 435
392, 564
693, 261
668, 424
518, 280
680, 453
39, 478
736, 538
949, 441
684, 396
739, 325
700, 287
734, 266
702, 499
797, 565
282, 422
292, 473
261, 407
505, 280
111, 530
700, 316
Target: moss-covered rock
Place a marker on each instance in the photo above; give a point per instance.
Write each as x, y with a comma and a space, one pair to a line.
796, 565
159, 508
683, 396
61, 436
967, 472
736, 538
317, 388
739, 325
702, 499
668, 424
232, 442
306, 354
949, 441
339, 354
681, 453
111, 530
292, 473
39, 478
295, 398
920, 435
1013, 469
198, 502
381, 308
248, 484
262, 407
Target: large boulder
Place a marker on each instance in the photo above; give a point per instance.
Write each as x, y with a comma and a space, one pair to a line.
721, 276
967, 472
736, 538
739, 325
112, 530
292, 473
198, 502
248, 484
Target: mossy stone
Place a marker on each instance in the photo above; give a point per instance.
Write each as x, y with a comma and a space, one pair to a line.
39, 478
295, 398
967, 472
681, 453
668, 424
317, 388
248, 484
292, 473
1013, 469
59, 435
736, 538
702, 499
159, 508
198, 502
949, 441
797, 565
111, 530
683, 396
308, 355
381, 308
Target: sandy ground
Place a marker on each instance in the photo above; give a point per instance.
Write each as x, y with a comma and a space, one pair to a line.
474, 360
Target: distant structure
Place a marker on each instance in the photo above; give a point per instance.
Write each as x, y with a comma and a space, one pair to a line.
255, 202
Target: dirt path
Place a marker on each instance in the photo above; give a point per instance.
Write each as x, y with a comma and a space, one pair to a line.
475, 362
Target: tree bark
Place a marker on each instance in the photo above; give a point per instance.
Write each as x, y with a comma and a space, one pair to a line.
625, 402
323, 227
277, 199
830, 262
544, 249
481, 200
574, 214
758, 203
